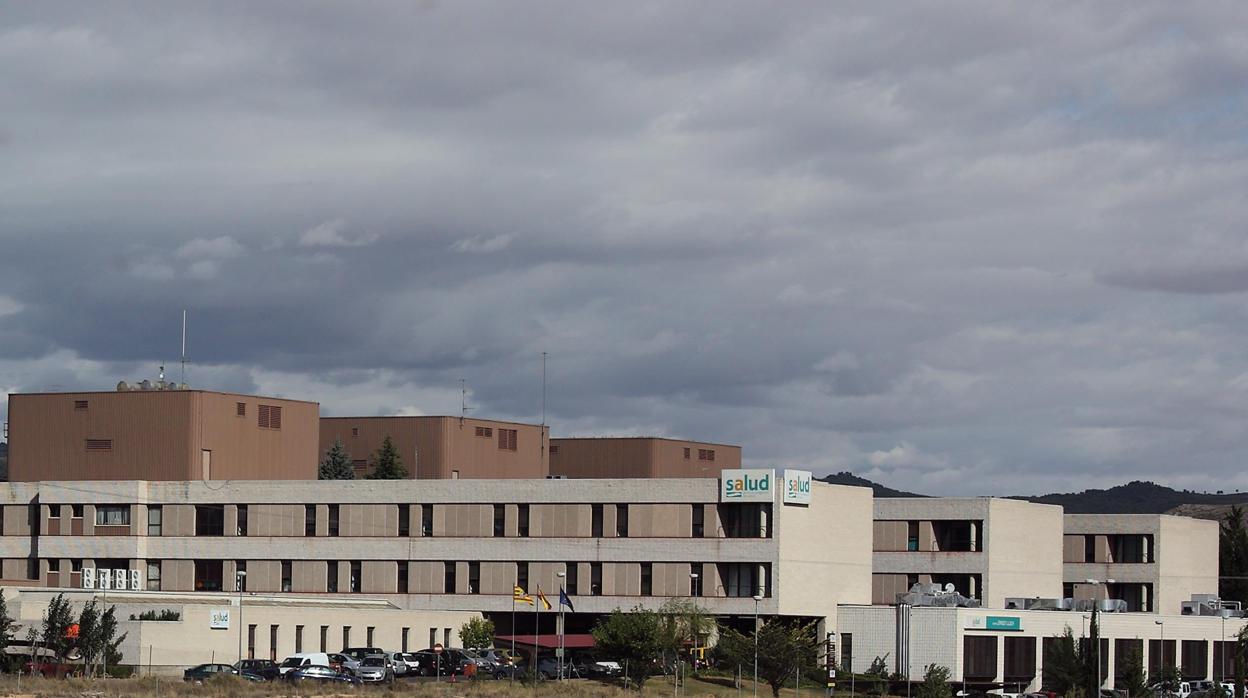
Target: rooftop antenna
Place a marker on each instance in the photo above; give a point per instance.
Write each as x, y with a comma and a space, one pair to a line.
543, 388
183, 381
463, 400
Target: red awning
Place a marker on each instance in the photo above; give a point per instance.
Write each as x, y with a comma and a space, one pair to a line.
572, 641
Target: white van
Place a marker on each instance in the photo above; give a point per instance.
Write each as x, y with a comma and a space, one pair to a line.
298, 661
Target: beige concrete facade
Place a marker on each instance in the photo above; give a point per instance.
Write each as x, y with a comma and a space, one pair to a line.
988, 548
172, 435
1156, 561
272, 627
454, 545
1014, 654
444, 448
640, 456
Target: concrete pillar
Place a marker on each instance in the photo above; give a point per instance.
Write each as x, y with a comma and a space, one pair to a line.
975, 536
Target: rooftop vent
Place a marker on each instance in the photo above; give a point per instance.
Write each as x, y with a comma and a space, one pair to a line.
1038, 604
1211, 605
934, 595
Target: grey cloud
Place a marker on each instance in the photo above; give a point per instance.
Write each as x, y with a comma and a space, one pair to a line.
1208, 280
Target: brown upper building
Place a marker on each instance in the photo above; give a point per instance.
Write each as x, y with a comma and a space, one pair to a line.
444, 448
640, 456
160, 434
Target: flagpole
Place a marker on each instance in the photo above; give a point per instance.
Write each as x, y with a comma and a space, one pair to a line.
511, 675
537, 628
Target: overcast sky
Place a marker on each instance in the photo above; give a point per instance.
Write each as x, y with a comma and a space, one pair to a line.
958, 248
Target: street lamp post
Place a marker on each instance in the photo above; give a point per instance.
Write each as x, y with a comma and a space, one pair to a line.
562, 630
757, 598
1161, 646
239, 577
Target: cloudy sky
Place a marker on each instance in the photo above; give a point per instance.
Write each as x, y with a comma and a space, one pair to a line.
955, 247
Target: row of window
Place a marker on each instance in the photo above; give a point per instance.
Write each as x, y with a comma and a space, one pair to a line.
739, 521
737, 579
369, 639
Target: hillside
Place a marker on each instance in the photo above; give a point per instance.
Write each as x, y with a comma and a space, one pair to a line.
847, 478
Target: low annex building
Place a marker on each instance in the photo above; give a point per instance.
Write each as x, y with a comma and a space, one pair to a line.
640, 456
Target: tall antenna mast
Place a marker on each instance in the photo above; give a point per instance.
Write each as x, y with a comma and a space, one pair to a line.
463, 399
183, 381
543, 388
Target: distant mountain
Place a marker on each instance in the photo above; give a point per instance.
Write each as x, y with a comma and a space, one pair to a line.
1136, 497
847, 478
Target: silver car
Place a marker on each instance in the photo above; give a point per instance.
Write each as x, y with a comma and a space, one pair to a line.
375, 668
397, 663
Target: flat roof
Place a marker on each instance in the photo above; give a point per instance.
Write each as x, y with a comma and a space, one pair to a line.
161, 392
641, 438
440, 416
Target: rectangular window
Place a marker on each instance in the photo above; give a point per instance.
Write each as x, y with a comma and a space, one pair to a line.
446, 637
522, 575
359, 466
309, 520
474, 577
99, 444
331, 577
699, 521
240, 409
402, 582
75, 510
426, 520
595, 516
324, 638
273, 643
433, 636
333, 519
368, 634
1020, 659
286, 585
554, 449
621, 521
507, 439
356, 580
706, 454
251, 641
404, 648
210, 520
570, 569
80, 404
153, 575
847, 651
242, 520
695, 579
522, 520
979, 657
269, 417
355, 432
486, 432
448, 578
595, 579
686, 454
647, 579
298, 639
112, 515
405, 520
155, 517
500, 520
346, 636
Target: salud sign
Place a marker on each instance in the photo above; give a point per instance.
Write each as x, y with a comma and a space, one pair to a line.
747, 486
219, 619
995, 623
797, 486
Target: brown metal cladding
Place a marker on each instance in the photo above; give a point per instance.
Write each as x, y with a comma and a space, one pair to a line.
638, 457
439, 445
157, 435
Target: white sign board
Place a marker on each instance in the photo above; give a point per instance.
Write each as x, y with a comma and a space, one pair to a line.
219, 619
88, 578
797, 487
747, 486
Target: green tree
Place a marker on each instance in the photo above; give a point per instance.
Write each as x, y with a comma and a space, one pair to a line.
386, 463
877, 674
632, 638
6, 624
1168, 679
1133, 674
1063, 665
783, 648
683, 624
477, 633
110, 640
935, 683
90, 637
56, 622
1233, 557
337, 464
1091, 658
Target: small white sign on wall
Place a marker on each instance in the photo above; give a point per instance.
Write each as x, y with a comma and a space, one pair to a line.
219, 619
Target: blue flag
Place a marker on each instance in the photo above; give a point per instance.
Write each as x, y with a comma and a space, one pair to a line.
564, 600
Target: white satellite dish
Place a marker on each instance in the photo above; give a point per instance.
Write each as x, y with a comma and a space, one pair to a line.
949, 588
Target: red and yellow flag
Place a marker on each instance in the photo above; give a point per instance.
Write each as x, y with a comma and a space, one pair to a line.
542, 597
519, 595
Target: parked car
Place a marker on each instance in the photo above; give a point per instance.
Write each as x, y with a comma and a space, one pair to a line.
341, 661
319, 674
413, 663
496, 657
265, 669
204, 672
375, 668
303, 659
397, 663
359, 653
429, 662
484, 667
